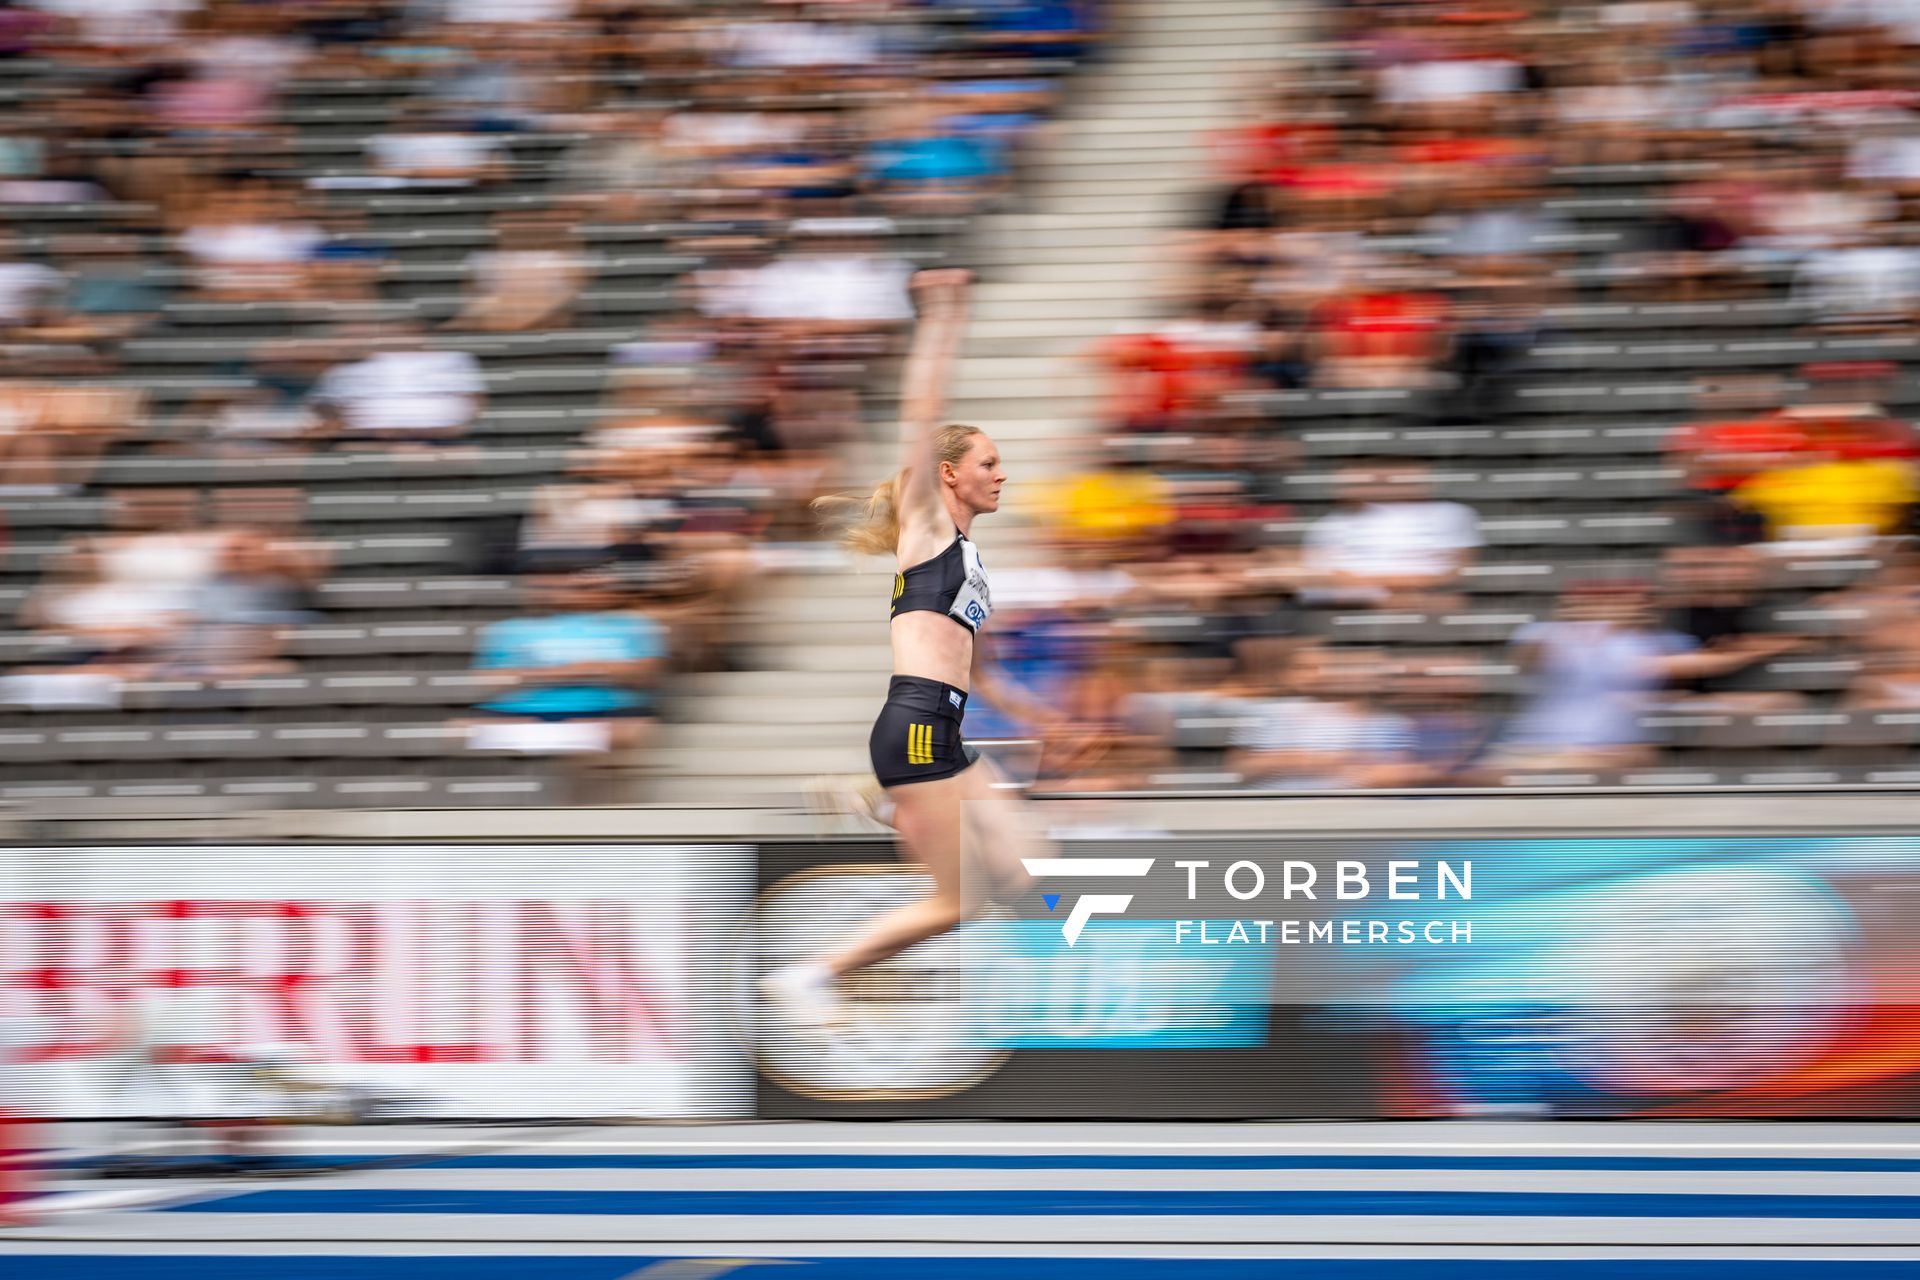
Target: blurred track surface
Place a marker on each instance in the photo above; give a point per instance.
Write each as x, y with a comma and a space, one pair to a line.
927, 1201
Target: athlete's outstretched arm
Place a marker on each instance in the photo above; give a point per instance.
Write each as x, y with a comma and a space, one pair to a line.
942, 297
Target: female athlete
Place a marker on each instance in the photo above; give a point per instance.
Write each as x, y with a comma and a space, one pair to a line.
952, 819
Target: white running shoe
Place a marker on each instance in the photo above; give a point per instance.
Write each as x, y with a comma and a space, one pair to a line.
858, 796
804, 995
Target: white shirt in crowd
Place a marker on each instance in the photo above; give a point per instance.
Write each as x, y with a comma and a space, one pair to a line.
1614, 103
1049, 587
729, 130
849, 287
252, 244
1392, 538
123, 22
1447, 80
1592, 681
1648, 13
1309, 724
405, 390
431, 152
265, 60
800, 44
1887, 158
1863, 281
460, 12
19, 282
1900, 16
1818, 219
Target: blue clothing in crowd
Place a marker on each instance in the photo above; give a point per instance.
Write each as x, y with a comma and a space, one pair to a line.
562, 640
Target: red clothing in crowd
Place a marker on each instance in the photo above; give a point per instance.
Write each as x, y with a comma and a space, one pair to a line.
1162, 379
1261, 149
1754, 439
1405, 325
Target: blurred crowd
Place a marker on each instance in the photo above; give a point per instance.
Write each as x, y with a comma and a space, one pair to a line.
1388, 224
1390, 220
778, 147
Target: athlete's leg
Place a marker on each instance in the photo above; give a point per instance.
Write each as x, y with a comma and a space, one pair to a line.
930, 817
1001, 831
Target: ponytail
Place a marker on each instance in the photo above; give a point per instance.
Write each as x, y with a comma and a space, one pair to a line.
872, 523
875, 530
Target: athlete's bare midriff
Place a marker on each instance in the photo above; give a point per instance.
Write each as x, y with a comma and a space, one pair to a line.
932, 646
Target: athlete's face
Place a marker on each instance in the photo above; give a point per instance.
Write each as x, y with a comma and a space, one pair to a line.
978, 476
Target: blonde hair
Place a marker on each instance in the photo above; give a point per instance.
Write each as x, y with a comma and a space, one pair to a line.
872, 523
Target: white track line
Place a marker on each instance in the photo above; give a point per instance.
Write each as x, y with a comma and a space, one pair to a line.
98, 1201
932, 1146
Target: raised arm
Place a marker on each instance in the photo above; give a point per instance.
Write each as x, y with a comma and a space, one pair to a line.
942, 298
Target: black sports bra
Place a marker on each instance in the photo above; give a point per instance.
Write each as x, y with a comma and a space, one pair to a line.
953, 582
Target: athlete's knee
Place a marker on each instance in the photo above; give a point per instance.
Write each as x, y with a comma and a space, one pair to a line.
945, 912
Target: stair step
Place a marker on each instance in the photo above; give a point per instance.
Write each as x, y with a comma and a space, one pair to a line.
1145, 221
723, 791
849, 722
1135, 276
1078, 328
1132, 253
1183, 204
1060, 385
1127, 16
1126, 315
831, 754
1149, 129
1196, 17
1102, 289
783, 684
864, 658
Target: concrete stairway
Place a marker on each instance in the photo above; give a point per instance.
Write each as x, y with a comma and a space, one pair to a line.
1082, 258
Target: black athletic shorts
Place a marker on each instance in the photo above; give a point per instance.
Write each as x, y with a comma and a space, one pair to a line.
917, 737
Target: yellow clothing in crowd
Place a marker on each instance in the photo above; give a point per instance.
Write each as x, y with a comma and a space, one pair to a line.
1115, 504
1862, 494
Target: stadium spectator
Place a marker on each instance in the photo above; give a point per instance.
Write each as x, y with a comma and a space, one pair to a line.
1173, 378
620, 165
25, 286
920, 163
584, 523
110, 294
835, 279
1738, 434
1595, 668
1390, 545
1710, 596
256, 589
1041, 28
99, 625
429, 151
248, 243
530, 281
1498, 317
1328, 733
1437, 697
1383, 332
1867, 281
346, 266
1828, 497
52, 432
400, 394
178, 588
577, 675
